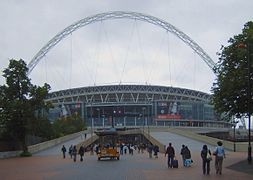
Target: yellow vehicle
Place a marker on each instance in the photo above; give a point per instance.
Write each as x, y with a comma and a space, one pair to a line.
107, 148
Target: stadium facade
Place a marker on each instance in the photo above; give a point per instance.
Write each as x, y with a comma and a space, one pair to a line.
136, 105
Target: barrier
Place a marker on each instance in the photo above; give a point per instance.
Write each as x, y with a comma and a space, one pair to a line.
51, 143
40, 146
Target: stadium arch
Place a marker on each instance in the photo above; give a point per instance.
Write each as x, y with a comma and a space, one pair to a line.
120, 15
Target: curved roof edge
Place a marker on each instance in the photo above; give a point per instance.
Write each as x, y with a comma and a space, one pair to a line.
88, 93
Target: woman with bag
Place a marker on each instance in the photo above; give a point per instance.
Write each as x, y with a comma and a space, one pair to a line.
206, 158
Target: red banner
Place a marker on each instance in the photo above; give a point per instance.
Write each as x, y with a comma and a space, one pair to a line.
168, 116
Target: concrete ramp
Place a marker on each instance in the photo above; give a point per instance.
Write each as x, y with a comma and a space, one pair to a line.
177, 141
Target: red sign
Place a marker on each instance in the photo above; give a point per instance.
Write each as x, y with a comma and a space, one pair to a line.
168, 116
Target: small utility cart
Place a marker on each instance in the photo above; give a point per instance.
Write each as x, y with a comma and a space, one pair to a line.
107, 145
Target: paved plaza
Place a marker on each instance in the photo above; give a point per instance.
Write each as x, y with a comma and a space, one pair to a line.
49, 165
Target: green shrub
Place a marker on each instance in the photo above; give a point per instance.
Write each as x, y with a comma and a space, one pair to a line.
25, 154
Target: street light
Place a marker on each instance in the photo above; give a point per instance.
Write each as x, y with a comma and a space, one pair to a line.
234, 139
148, 122
91, 116
103, 120
98, 115
246, 46
149, 115
113, 115
143, 109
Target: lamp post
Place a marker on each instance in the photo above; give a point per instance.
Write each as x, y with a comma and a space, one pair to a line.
113, 115
103, 124
246, 46
98, 115
143, 116
148, 122
234, 138
124, 121
91, 115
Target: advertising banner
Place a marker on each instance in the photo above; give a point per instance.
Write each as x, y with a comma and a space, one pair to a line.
168, 110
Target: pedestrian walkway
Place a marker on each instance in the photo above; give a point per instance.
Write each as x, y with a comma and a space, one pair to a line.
49, 165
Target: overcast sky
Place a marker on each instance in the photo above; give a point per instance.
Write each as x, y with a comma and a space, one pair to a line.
124, 50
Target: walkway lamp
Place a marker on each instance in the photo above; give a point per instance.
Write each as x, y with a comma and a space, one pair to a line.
98, 115
91, 116
113, 116
103, 123
234, 138
143, 116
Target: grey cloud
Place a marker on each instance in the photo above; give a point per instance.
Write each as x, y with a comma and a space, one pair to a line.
28, 25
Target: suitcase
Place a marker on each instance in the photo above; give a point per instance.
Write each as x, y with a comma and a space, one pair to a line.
175, 163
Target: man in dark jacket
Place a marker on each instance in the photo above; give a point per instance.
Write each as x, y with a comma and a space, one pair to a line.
183, 154
81, 152
171, 154
63, 149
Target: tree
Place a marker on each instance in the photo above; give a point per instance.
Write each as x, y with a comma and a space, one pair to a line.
68, 125
20, 101
233, 86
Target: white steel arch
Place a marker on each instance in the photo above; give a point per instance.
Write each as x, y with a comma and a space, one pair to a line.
120, 15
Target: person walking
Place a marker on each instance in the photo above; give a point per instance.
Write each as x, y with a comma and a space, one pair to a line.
131, 149
74, 153
187, 156
81, 152
183, 154
171, 154
206, 159
63, 149
70, 151
121, 148
125, 149
150, 149
156, 150
219, 153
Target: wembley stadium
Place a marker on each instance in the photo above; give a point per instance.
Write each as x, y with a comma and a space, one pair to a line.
122, 104
136, 105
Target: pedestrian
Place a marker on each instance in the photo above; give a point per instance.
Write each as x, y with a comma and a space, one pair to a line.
156, 150
121, 148
125, 148
206, 158
183, 154
85, 135
150, 149
139, 148
74, 153
219, 153
63, 149
187, 156
81, 152
70, 151
171, 154
132, 149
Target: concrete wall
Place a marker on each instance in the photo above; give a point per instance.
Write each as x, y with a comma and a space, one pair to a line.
9, 154
51, 143
40, 146
192, 134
